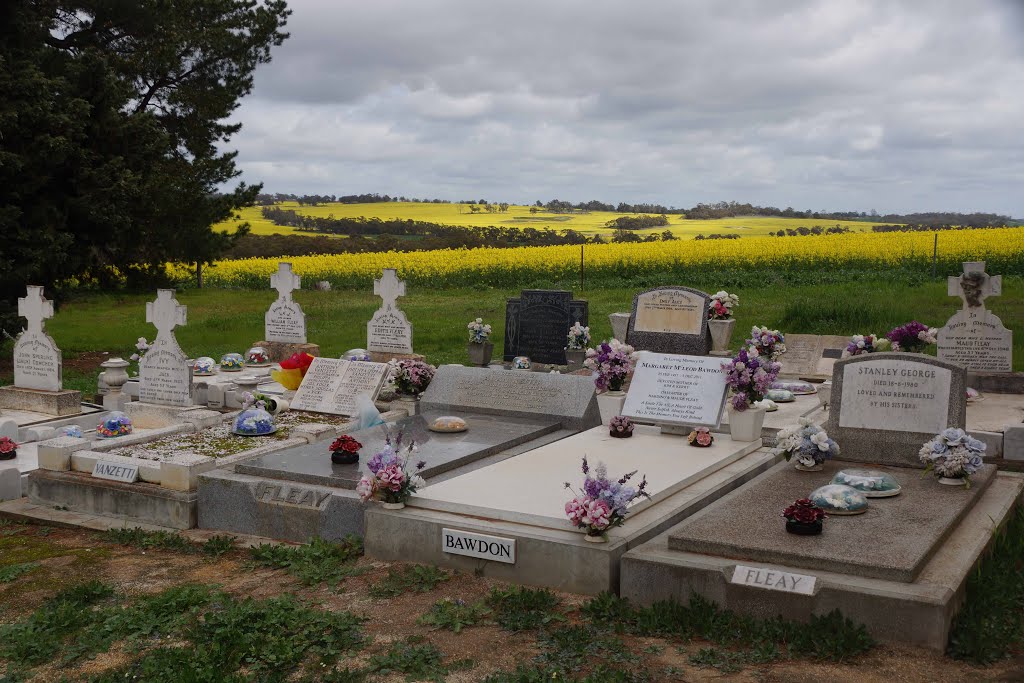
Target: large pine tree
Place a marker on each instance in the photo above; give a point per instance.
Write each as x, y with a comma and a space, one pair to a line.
111, 114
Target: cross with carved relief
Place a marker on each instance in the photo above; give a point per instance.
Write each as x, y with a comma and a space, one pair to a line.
389, 287
974, 285
285, 281
34, 308
165, 313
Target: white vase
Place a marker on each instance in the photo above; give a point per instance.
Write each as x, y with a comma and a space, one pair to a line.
825, 394
951, 481
721, 334
595, 539
410, 404
610, 404
745, 425
392, 506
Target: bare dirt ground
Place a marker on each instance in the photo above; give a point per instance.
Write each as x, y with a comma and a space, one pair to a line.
68, 556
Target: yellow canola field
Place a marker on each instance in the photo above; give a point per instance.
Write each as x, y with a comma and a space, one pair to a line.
1003, 248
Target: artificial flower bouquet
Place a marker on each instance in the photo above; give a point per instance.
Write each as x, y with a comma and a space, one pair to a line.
479, 333
292, 370
602, 503
807, 442
953, 455
579, 337
866, 343
721, 305
769, 343
612, 361
750, 376
700, 437
8, 448
913, 337
345, 450
620, 427
389, 478
141, 346
803, 517
411, 377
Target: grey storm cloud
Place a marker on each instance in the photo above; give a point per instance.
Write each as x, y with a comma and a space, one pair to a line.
818, 104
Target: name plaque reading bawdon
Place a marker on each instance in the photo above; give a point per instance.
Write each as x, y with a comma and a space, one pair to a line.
331, 385
481, 546
895, 395
678, 390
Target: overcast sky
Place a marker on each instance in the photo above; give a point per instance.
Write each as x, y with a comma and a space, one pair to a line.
817, 104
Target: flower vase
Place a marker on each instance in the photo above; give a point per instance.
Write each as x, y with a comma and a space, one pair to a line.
817, 467
410, 404
610, 404
11, 455
952, 481
745, 425
344, 457
392, 506
600, 538
574, 358
480, 354
721, 335
803, 529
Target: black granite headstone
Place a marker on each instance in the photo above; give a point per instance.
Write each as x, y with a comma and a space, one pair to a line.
537, 324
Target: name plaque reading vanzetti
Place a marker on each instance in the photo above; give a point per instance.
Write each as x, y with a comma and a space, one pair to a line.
331, 385
671, 311
677, 390
895, 395
773, 579
482, 546
115, 471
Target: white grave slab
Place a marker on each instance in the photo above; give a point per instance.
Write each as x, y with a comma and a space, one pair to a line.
677, 390
37, 360
389, 331
165, 376
974, 337
530, 488
895, 395
331, 385
284, 320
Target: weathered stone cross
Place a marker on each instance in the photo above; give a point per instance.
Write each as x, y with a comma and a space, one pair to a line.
285, 281
34, 308
974, 285
165, 313
389, 287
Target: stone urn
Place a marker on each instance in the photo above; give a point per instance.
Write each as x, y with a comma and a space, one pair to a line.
480, 354
721, 335
114, 376
745, 425
409, 403
610, 404
574, 358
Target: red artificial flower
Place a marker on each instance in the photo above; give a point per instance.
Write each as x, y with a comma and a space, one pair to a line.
298, 361
346, 443
6, 445
804, 511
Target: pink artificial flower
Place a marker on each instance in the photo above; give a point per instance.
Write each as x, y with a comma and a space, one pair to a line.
391, 477
575, 509
597, 514
365, 489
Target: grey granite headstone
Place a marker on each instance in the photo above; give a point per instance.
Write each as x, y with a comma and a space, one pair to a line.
567, 398
885, 406
537, 324
975, 337
670, 320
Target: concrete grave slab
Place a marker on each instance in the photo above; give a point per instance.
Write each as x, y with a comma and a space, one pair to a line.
893, 540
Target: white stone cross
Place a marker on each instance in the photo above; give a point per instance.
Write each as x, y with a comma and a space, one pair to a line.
974, 285
389, 287
34, 308
165, 313
285, 281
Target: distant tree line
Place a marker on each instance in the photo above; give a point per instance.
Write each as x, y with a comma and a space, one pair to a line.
317, 199
933, 227
637, 222
814, 230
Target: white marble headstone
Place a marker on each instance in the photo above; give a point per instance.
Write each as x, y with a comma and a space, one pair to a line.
332, 385
37, 360
285, 321
165, 377
974, 337
389, 331
677, 390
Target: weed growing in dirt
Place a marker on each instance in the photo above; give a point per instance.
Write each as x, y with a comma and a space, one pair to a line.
319, 561
832, 636
454, 615
12, 572
418, 660
523, 609
219, 545
989, 627
150, 540
412, 577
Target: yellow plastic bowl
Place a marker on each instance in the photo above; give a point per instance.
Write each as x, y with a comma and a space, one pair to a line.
289, 379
